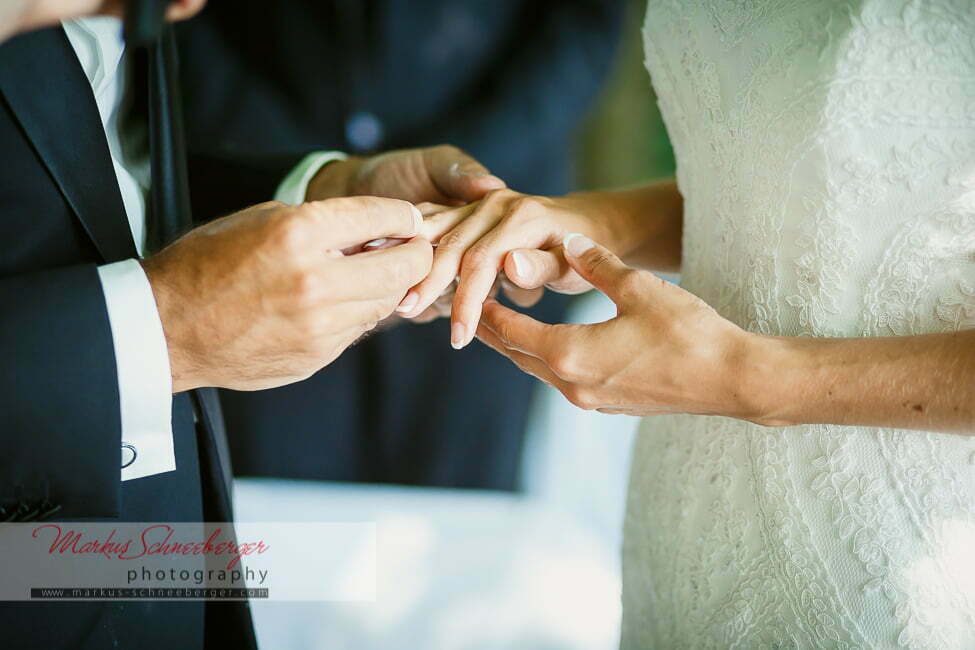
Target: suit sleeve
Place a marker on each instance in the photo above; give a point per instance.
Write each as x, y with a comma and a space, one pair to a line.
543, 82
61, 428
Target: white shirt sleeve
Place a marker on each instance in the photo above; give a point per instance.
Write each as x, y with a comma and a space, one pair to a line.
141, 355
294, 187
144, 379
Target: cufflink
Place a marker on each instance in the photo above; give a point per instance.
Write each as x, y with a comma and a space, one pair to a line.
129, 454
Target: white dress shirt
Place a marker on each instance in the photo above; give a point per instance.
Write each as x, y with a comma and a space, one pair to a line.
141, 355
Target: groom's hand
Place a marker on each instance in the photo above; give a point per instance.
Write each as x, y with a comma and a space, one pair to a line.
444, 175
266, 297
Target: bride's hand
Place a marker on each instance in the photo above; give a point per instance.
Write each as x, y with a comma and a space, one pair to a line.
665, 351
508, 231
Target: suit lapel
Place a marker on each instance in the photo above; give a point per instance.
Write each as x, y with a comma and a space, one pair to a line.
46, 88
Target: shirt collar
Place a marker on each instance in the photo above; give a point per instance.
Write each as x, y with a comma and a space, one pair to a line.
98, 42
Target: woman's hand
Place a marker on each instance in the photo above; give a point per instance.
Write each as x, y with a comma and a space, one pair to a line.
508, 231
665, 351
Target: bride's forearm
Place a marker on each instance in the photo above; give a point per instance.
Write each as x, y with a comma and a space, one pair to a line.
641, 224
912, 382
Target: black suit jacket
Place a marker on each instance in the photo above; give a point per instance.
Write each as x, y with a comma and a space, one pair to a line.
507, 81
61, 215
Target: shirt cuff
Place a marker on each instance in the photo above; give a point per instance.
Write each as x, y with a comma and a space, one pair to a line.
144, 379
294, 187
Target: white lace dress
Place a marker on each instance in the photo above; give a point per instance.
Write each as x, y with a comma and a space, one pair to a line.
826, 154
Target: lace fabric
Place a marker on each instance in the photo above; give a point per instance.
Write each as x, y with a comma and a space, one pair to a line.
826, 154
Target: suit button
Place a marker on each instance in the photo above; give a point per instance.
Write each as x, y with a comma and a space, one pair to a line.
364, 131
129, 454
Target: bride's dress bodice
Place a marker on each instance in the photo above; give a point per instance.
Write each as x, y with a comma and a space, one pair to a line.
826, 154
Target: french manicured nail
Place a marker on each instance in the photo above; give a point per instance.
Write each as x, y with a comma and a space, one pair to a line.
408, 303
375, 243
523, 265
458, 336
417, 220
576, 244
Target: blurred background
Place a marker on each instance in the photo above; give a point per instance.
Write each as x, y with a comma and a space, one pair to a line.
498, 504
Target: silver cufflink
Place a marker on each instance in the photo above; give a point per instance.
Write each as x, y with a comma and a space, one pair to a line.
129, 454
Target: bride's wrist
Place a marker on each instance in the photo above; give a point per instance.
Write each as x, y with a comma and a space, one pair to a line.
603, 220
642, 225
765, 391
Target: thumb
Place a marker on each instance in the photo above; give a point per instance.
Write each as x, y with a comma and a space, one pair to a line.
599, 266
461, 177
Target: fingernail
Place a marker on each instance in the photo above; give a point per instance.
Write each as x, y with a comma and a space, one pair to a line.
457, 170
576, 244
458, 336
375, 243
408, 303
417, 219
523, 265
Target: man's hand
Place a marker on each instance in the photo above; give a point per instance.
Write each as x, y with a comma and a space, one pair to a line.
444, 175
266, 297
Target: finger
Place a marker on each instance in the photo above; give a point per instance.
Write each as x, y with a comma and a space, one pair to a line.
447, 260
440, 223
361, 314
459, 176
600, 267
528, 364
519, 331
439, 309
428, 209
521, 297
475, 285
351, 221
480, 267
383, 273
533, 268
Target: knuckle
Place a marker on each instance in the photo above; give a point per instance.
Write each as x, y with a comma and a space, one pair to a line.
524, 207
596, 263
580, 398
452, 242
288, 233
476, 257
502, 195
308, 288
567, 365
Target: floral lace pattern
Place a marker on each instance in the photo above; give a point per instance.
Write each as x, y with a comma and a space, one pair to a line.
826, 154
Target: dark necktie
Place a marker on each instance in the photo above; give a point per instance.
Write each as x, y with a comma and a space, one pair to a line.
169, 203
